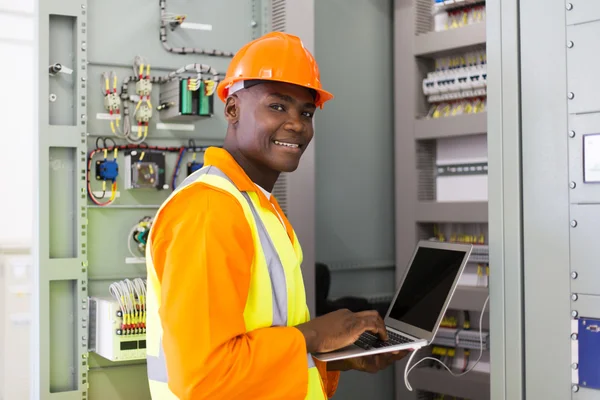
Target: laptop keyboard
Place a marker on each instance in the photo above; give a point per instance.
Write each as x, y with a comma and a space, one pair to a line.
369, 341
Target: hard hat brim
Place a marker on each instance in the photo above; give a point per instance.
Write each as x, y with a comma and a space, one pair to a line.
323, 95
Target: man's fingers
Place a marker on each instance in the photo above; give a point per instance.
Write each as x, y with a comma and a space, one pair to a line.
376, 326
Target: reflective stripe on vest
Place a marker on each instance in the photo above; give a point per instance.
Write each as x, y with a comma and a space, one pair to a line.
157, 367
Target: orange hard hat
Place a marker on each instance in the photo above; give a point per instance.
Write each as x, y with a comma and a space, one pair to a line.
278, 57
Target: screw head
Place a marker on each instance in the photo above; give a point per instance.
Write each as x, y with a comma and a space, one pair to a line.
574, 297
571, 95
575, 388
574, 275
569, 6
83, 46
253, 24
83, 6
573, 336
572, 185
571, 134
574, 223
52, 97
574, 314
575, 366
570, 44
83, 117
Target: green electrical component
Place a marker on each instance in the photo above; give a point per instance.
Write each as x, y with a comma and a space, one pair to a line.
178, 102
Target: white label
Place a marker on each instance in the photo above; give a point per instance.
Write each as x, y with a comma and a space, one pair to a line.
591, 158
20, 318
199, 27
106, 116
66, 70
135, 260
175, 127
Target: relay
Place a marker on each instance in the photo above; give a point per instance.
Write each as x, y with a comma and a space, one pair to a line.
193, 167
107, 170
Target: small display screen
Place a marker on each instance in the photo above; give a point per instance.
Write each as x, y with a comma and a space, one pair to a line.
426, 287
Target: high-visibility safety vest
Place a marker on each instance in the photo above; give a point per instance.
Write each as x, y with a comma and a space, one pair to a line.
262, 310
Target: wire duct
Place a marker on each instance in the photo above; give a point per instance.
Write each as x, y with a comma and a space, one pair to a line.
164, 18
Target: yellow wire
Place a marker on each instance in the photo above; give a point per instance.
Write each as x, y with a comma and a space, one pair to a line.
141, 69
112, 126
115, 83
148, 70
142, 156
115, 153
107, 84
105, 153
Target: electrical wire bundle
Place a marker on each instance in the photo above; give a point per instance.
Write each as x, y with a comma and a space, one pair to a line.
174, 21
131, 296
139, 235
102, 148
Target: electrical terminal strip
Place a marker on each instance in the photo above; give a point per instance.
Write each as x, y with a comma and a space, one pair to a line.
463, 338
118, 324
458, 85
454, 14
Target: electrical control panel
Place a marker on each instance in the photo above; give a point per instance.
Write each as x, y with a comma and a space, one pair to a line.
145, 170
116, 334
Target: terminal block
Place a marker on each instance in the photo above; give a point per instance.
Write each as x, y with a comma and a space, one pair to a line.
107, 170
112, 336
143, 114
186, 99
145, 169
143, 87
112, 102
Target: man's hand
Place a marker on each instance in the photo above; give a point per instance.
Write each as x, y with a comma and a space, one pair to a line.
339, 329
370, 364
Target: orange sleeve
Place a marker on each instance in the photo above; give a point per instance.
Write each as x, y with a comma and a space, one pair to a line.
203, 252
330, 378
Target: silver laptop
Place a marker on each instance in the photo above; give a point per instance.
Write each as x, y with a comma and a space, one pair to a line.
415, 314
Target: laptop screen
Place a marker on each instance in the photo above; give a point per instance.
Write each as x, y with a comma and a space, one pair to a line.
426, 287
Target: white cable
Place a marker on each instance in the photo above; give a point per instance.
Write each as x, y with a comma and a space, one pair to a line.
407, 370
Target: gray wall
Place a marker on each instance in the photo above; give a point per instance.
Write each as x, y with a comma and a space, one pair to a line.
354, 160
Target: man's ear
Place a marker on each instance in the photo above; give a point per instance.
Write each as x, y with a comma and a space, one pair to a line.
232, 109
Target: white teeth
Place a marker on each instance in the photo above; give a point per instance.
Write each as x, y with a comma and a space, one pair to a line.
286, 144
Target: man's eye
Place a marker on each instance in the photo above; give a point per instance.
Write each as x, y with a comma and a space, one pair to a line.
277, 107
308, 114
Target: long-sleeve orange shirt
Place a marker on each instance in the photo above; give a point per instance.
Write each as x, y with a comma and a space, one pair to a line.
202, 250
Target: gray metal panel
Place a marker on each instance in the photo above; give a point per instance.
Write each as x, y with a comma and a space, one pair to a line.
407, 89
584, 257
463, 125
504, 219
545, 201
469, 298
580, 125
60, 283
438, 43
300, 20
587, 306
451, 212
583, 80
585, 394
580, 11
354, 133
